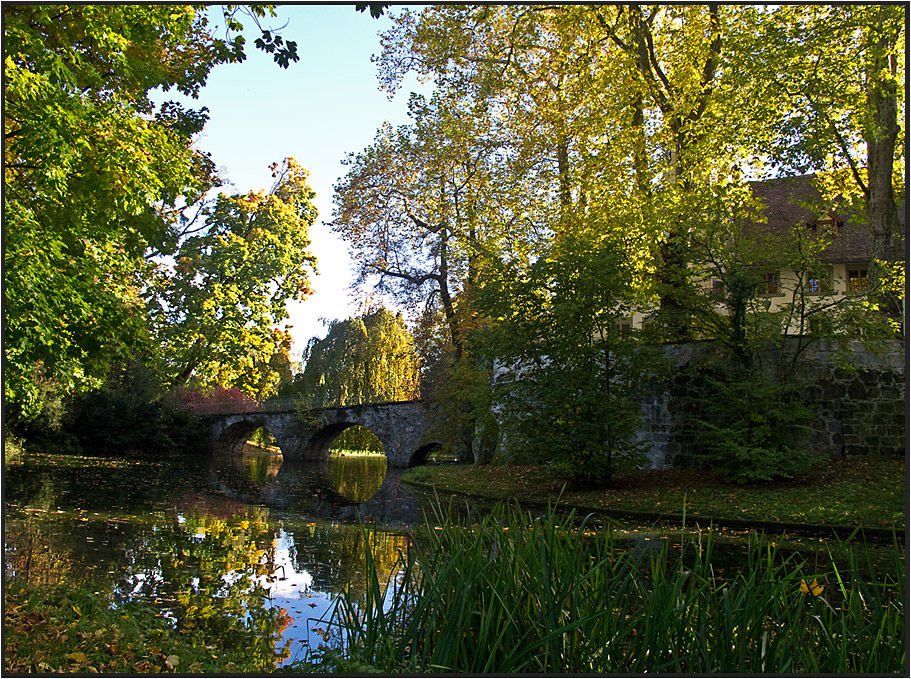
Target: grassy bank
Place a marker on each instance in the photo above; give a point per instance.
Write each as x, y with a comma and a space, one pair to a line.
869, 492
516, 593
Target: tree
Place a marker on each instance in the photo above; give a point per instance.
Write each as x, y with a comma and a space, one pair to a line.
95, 178
414, 207
839, 111
608, 110
567, 395
367, 359
214, 312
573, 134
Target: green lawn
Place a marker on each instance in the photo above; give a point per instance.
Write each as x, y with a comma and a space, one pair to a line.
870, 492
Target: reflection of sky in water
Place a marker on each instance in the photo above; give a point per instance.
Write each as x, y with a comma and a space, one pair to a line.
292, 590
186, 539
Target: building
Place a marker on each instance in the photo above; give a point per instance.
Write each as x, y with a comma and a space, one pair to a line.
843, 262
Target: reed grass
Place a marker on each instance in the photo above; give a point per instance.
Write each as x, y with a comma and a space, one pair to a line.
522, 593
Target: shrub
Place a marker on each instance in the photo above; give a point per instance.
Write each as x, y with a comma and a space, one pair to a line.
750, 426
128, 415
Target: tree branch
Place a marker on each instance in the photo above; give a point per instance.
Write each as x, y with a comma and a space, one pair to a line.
711, 66
414, 280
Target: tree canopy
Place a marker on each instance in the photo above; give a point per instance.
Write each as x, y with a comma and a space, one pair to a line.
644, 124
215, 312
367, 359
96, 179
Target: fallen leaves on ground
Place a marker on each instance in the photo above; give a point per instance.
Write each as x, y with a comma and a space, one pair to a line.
869, 491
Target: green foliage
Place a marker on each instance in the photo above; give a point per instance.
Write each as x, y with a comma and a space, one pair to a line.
518, 593
750, 426
214, 313
568, 394
127, 415
367, 359
461, 417
357, 438
89, 178
96, 180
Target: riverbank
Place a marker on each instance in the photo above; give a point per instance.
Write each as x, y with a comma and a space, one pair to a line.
844, 494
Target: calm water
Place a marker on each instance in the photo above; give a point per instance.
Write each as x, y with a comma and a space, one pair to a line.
250, 538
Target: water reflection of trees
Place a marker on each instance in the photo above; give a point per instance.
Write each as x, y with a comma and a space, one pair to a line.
335, 556
207, 564
261, 466
206, 570
211, 574
203, 560
357, 478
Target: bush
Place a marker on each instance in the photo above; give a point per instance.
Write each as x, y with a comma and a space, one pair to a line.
569, 390
750, 426
127, 415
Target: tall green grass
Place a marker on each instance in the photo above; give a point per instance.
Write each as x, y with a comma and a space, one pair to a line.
518, 593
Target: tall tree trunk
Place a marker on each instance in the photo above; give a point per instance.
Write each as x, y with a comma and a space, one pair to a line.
446, 297
881, 135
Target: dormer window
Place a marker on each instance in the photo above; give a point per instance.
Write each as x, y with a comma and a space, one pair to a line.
827, 225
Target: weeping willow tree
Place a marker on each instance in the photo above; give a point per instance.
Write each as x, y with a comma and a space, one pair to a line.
367, 359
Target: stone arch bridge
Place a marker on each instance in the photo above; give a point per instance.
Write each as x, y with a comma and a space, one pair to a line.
307, 435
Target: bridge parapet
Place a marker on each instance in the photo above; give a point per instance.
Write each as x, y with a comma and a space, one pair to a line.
271, 405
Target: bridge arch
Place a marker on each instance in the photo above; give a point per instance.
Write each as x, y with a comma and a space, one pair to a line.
420, 455
400, 426
229, 432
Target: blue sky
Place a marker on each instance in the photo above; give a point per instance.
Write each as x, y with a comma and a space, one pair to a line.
319, 109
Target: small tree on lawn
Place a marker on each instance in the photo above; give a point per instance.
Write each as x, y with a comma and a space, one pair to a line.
569, 393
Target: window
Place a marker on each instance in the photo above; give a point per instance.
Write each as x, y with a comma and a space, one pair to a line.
769, 285
819, 283
626, 327
857, 279
827, 225
717, 288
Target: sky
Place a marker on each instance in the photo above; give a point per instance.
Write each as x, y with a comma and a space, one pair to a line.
317, 111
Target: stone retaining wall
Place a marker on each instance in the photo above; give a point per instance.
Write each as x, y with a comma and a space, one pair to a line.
859, 399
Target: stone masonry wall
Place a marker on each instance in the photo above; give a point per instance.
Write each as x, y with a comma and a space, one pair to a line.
860, 409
